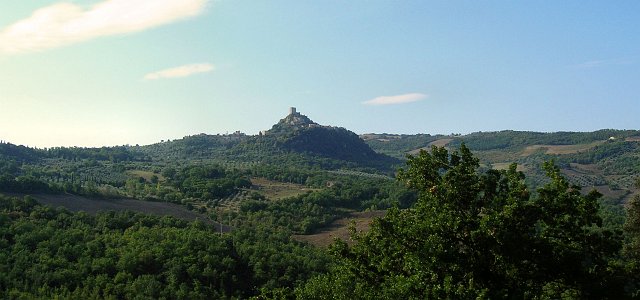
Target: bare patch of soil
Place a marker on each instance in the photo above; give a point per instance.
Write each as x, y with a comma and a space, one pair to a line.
559, 149
437, 143
505, 166
633, 139
340, 228
276, 190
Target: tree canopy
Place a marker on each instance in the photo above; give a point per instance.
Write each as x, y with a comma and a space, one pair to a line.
479, 235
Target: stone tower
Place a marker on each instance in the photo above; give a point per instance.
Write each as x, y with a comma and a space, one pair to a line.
292, 110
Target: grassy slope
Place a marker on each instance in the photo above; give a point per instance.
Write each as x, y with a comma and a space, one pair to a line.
340, 228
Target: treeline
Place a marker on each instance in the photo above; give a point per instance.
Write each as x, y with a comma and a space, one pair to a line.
19, 153
509, 139
52, 253
398, 145
114, 154
195, 146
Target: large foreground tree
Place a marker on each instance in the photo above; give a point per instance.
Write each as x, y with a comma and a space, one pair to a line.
632, 246
473, 235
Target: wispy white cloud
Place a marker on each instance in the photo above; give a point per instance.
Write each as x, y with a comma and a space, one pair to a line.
605, 62
397, 99
181, 71
65, 23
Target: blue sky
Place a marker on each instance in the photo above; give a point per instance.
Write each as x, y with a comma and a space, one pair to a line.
114, 72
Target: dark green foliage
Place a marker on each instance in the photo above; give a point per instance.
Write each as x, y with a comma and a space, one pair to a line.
25, 184
509, 139
189, 147
294, 141
275, 260
49, 253
337, 143
208, 182
315, 148
283, 173
53, 252
113, 154
298, 141
632, 245
19, 153
474, 235
307, 213
601, 158
616, 157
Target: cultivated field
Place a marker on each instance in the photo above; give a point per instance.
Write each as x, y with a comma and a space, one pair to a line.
275, 190
340, 228
93, 206
559, 149
505, 165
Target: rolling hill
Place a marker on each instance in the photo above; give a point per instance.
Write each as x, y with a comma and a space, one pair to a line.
606, 160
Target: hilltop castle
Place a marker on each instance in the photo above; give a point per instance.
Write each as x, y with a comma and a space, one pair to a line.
294, 120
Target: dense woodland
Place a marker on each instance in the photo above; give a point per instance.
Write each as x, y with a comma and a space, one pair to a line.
484, 236
456, 225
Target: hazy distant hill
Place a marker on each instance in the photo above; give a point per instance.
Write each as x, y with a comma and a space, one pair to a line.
607, 160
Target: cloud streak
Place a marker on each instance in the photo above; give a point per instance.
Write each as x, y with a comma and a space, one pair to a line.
63, 24
605, 63
397, 99
181, 71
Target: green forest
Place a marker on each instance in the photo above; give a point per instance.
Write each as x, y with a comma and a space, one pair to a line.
501, 215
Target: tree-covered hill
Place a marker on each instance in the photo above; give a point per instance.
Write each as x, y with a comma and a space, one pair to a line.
298, 141
54, 253
607, 160
194, 146
400, 145
294, 140
20, 153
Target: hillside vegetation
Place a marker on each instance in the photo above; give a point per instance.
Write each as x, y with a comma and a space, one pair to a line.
236, 216
604, 158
